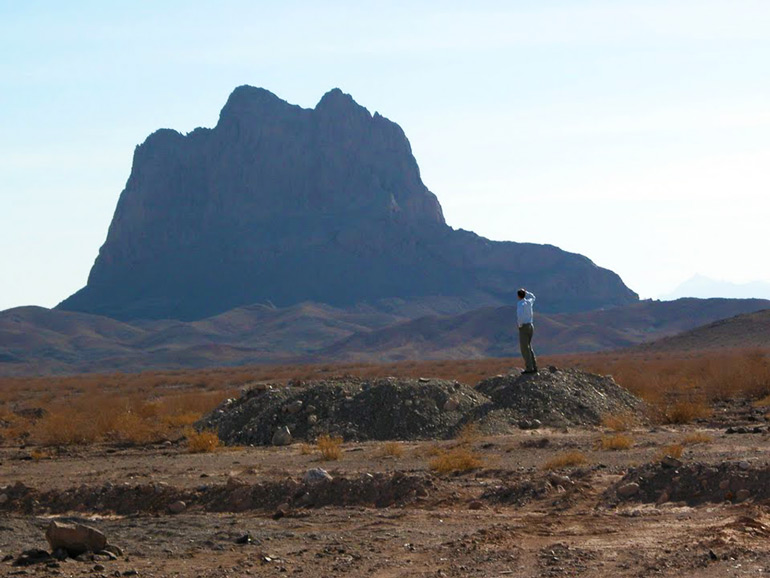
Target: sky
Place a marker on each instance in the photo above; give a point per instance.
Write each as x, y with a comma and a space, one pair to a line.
636, 133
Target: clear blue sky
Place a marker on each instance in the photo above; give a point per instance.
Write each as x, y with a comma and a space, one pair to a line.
634, 132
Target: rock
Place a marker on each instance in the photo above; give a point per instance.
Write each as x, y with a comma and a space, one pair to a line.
282, 436
60, 554
553, 368
281, 511
98, 568
742, 495
3, 498
476, 505
316, 475
528, 424
628, 490
451, 404
245, 539
177, 507
312, 419
670, 462
744, 465
285, 204
294, 407
113, 549
75, 538
32, 556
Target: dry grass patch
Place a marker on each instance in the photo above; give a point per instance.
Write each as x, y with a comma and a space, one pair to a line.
202, 442
618, 422
330, 447
455, 460
566, 460
468, 434
305, 449
684, 412
391, 449
615, 442
696, 438
673, 450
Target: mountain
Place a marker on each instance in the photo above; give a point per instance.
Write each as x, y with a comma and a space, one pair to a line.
38, 341
704, 288
747, 331
491, 331
281, 205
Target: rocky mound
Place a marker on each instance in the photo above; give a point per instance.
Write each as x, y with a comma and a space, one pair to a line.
557, 397
282, 204
354, 409
410, 409
696, 483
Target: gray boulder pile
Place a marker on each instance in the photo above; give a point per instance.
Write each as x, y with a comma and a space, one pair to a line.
411, 409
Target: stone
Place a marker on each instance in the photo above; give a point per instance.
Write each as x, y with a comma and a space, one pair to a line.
177, 507
75, 538
628, 490
281, 511
742, 495
476, 505
451, 404
282, 436
670, 462
528, 424
316, 475
32, 556
3, 498
312, 419
744, 465
294, 407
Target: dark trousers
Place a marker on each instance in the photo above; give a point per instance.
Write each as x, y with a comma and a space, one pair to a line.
525, 341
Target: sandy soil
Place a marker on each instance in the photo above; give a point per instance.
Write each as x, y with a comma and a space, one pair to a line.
455, 528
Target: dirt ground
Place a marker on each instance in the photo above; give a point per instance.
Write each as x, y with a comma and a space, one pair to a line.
249, 513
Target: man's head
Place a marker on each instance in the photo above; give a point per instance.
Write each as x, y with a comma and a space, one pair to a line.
522, 293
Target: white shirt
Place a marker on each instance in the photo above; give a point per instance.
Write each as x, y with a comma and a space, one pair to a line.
524, 312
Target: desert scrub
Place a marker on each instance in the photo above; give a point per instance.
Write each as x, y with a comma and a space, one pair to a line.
201, 442
468, 434
330, 447
455, 460
566, 460
696, 438
672, 451
618, 422
390, 449
684, 412
615, 442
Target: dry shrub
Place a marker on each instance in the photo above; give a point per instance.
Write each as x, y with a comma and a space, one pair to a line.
181, 420
66, 427
455, 460
305, 449
330, 447
433, 450
468, 434
615, 442
618, 422
673, 450
391, 449
38, 454
684, 412
696, 438
131, 428
205, 441
566, 460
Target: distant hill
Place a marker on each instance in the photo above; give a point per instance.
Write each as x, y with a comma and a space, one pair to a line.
704, 288
492, 332
750, 330
38, 341
282, 205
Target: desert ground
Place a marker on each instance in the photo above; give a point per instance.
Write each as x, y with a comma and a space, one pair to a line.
683, 491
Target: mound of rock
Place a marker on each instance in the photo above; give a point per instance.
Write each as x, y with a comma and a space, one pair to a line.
354, 409
694, 483
556, 397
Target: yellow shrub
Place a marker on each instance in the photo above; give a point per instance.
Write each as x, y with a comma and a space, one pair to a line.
615, 442
468, 434
566, 460
66, 427
392, 449
455, 460
683, 412
202, 442
330, 447
618, 422
697, 438
673, 450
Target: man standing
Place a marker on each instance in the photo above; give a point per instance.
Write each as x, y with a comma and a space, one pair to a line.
525, 318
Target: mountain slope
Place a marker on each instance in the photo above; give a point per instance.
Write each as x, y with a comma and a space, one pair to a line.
280, 205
